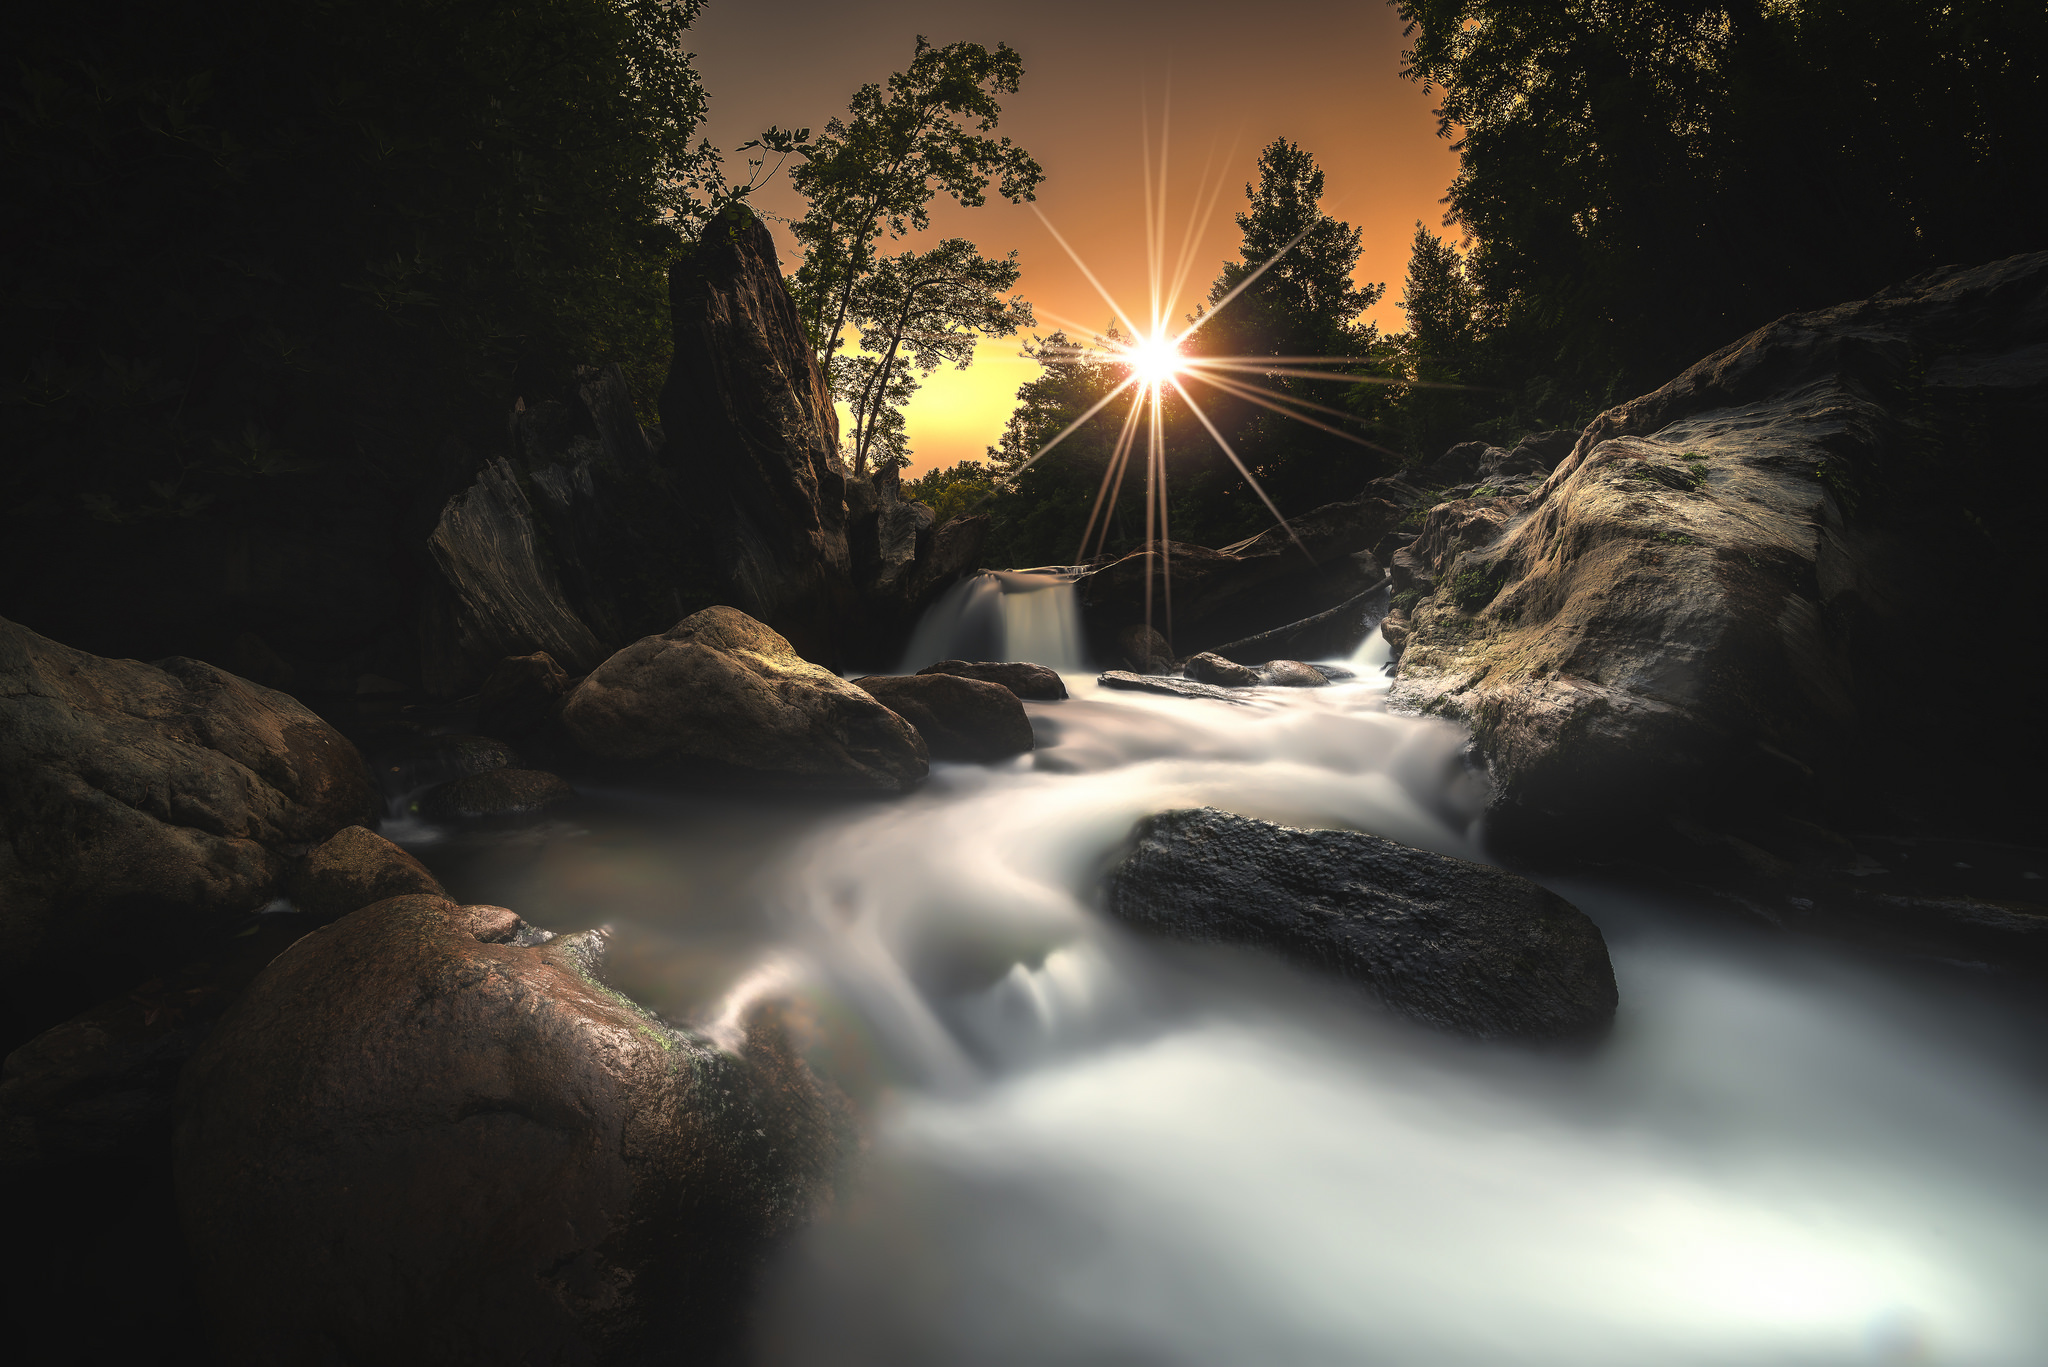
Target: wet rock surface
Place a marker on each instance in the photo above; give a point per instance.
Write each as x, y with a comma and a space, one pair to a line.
1695, 616
497, 796
142, 805
720, 694
409, 1144
1214, 669
1031, 683
520, 693
959, 718
1291, 674
1145, 650
1452, 944
353, 868
1166, 685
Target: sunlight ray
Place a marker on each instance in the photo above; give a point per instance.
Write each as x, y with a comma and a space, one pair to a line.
1123, 443
1268, 399
1242, 285
1213, 189
1064, 432
1271, 396
1107, 297
1242, 469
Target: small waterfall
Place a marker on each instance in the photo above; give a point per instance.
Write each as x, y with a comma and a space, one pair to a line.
1042, 622
1003, 615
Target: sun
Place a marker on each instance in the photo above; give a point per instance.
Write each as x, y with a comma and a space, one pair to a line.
1155, 360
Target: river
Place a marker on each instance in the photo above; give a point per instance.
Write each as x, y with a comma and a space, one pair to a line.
1093, 1149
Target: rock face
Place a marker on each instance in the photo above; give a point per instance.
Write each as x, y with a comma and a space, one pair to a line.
1269, 582
1291, 674
1698, 612
591, 531
720, 693
1029, 682
1145, 650
1452, 944
959, 718
407, 1144
1164, 685
143, 804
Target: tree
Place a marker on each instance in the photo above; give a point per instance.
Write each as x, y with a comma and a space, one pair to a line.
1644, 182
1444, 329
1304, 304
875, 175
919, 310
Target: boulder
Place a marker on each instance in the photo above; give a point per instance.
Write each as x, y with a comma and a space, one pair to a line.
1214, 669
407, 1144
1291, 674
1452, 944
959, 718
719, 694
520, 693
353, 868
142, 805
498, 796
1145, 650
1697, 615
1031, 683
1163, 684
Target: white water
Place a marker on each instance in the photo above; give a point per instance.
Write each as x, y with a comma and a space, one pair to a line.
1003, 616
1092, 1149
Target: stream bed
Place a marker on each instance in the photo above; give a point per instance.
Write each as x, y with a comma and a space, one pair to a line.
1089, 1148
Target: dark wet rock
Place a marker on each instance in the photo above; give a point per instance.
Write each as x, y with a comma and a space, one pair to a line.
405, 1144
959, 718
142, 805
1214, 669
721, 694
498, 593
497, 796
1334, 673
1459, 465
1145, 650
520, 693
1696, 616
1032, 683
353, 868
1291, 674
1171, 687
1452, 944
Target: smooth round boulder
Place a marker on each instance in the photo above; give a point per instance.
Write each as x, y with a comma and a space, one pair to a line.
407, 1145
1032, 683
353, 868
1291, 674
144, 804
1210, 668
721, 694
959, 718
1461, 946
497, 796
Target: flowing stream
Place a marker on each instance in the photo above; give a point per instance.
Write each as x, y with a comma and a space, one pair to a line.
1092, 1149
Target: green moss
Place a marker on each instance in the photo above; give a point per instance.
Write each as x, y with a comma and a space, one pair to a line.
1474, 589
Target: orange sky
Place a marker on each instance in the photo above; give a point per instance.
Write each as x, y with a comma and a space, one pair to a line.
1323, 73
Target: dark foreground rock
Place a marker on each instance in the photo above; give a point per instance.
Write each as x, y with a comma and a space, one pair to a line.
721, 693
1452, 944
1291, 674
498, 796
1032, 683
407, 1145
520, 693
959, 718
143, 805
